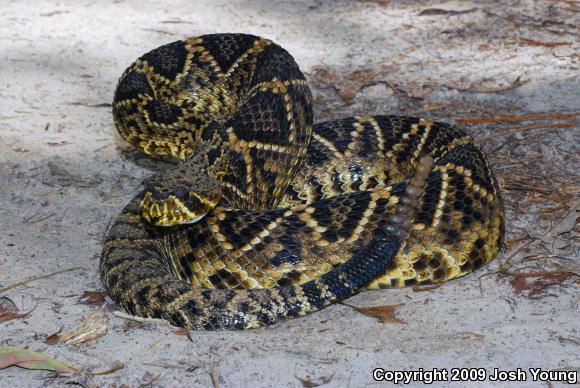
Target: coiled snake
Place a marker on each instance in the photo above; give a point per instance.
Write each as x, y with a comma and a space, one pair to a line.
267, 217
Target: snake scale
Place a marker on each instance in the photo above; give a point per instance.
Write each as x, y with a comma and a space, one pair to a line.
266, 216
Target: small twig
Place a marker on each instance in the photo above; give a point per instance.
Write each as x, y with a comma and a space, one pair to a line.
175, 21
499, 147
118, 365
31, 220
565, 124
572, 271
566, 1
515, 119
380, 2
426, 287
34, 278
101, 148
518, 186
533, 42
161, 365
514, 85
158, 31
523, 128
101, 105
135, 318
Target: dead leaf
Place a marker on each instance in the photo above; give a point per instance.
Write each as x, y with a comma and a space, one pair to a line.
9, 311
92, 327
542, 280
93, 297
449, 8
151, 378
469, 335
385, 314
29, 359
310, 382
184, 333
346, 86
53, 339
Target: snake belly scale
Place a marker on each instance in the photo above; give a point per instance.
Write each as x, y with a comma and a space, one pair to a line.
265, 215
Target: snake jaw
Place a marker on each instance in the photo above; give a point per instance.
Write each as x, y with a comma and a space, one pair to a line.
172, 210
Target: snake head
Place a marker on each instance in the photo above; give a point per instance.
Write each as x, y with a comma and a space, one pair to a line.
183, 195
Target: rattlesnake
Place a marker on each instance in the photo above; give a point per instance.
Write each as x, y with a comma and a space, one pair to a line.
266, 216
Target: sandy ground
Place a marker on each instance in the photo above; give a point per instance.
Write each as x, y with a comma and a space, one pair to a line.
508, 71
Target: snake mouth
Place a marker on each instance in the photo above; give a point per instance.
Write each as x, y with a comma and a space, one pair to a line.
170, 211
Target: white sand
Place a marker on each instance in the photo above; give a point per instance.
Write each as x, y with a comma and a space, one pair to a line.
64, 175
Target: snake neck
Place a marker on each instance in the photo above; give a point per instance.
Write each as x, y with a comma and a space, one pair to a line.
190, 190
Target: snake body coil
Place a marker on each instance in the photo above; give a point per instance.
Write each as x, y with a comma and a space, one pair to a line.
271, 217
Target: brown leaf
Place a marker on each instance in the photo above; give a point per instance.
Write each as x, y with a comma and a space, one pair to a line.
93, 297
9, 311
184, 333
347, 94
53, 339
542, 280
346, 86
323, 76
385, 314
